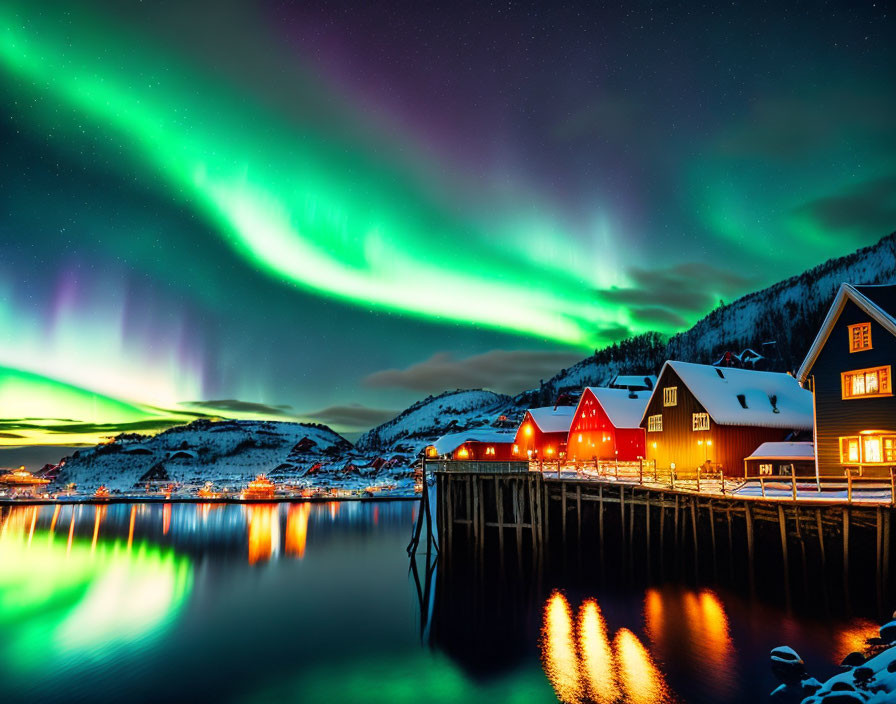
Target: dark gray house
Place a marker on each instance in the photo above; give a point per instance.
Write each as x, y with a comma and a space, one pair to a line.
849, 370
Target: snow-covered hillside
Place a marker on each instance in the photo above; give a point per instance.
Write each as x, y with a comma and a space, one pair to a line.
225, 452
779, 321
421, 424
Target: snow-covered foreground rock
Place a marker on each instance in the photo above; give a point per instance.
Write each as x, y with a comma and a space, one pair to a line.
867, 678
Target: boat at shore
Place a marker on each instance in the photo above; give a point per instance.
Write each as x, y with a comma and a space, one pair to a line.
261, 488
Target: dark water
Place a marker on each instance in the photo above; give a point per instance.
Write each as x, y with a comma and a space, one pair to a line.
316, 603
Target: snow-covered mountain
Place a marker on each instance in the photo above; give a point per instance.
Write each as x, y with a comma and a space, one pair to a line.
421, 424
226, 452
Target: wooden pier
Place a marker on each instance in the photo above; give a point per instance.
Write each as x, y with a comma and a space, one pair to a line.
535, 516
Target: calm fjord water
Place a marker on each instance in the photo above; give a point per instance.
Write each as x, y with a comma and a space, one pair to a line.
316, 603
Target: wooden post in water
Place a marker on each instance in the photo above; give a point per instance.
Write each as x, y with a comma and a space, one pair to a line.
499, 498
675, 525
846, 552
579, 514
622, 511
820, 529
879, 555
748, 515
886, 558
563, 511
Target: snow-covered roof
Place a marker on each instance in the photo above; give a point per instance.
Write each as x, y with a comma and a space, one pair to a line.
553, 419
876, 301
452, 441
624, 408
622, 381
718, 389
784, 451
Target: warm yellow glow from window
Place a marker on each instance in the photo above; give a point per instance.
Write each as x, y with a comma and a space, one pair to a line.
463, 452
860, 337
550, 450
709, 442
527, 429
863, 383
516, 449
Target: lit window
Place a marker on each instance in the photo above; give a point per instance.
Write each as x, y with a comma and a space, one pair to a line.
860, 337
700, 421
580, 437
463, 452
655, 423
871, 450
527, 429
867, 382
670, 396
489, 450
516, 449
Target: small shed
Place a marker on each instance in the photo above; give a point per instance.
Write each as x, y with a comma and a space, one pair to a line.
781, 459
481, 444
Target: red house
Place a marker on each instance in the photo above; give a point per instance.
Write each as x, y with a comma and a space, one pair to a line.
607, 425
543, 433
480, 444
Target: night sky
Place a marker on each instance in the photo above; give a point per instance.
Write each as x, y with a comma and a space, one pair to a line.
327, 211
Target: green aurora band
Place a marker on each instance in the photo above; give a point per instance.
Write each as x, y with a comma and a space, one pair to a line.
315, 209
84, 603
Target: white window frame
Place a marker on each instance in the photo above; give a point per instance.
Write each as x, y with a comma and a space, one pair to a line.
699, 421
655, 423
670, 396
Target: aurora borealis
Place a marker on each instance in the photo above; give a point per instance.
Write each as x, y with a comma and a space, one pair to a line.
268, 204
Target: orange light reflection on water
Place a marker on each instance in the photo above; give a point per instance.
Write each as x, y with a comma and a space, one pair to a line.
640, 678
597, 658
582, 666
561, 664
131, 527
297, 529
263, 532
852, 638
166, 518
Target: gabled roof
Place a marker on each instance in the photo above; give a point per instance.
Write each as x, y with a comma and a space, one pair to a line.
621, 381
718, 389
553, 419
879, 302
624, 408
784, 451
452, 441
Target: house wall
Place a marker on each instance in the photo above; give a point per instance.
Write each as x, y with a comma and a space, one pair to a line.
678, 443
476, 450
538, 442
836, 417
804, 468
592, 436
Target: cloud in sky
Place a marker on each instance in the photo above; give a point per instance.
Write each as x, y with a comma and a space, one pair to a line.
352, 415
668, 297
866, 209
236, 406
505, 371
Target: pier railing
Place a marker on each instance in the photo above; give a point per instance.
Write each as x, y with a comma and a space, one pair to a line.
851, 489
